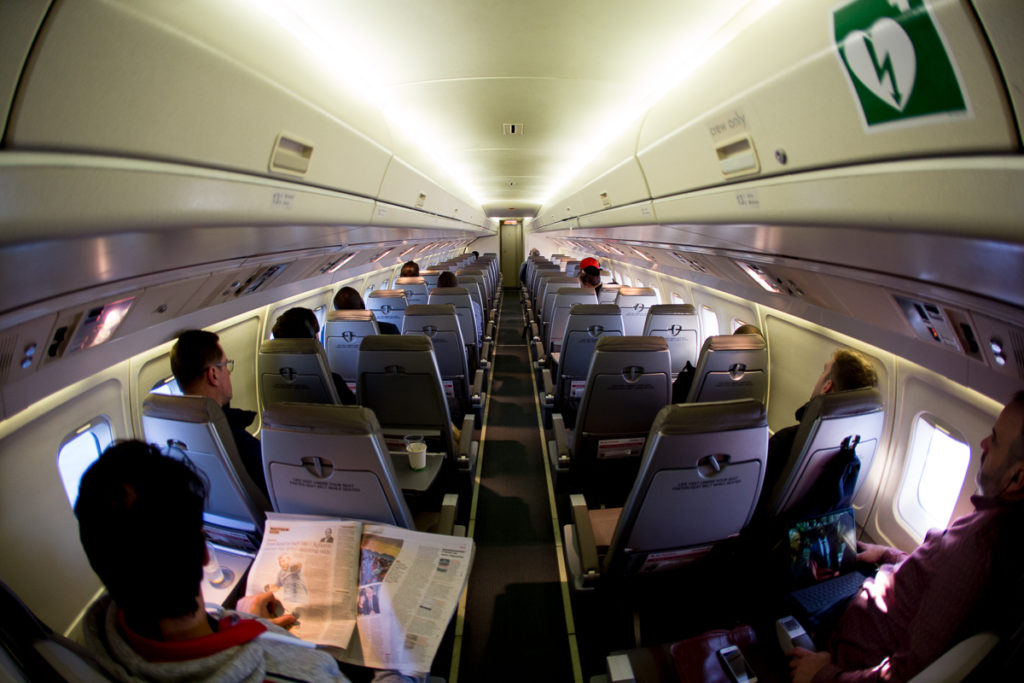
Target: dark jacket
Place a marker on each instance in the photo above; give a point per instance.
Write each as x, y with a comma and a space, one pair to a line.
248, 446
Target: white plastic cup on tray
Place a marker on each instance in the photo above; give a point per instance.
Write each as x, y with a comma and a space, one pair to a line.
416, 447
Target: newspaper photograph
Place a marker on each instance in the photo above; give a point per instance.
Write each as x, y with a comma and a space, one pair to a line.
310, 564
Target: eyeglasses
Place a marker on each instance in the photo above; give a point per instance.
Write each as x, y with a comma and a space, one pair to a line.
229, 364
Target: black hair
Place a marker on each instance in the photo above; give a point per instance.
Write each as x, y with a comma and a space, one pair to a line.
410, 269
447, 279
194, 351
348, 299
296, 323
140, 521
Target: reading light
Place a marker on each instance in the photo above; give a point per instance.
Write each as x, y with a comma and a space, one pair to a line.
760, 277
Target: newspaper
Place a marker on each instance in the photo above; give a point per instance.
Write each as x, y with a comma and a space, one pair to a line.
394, 588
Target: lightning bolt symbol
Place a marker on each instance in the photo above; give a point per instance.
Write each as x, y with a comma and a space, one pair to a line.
884, 69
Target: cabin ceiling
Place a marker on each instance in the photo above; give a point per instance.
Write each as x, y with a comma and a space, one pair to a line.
448, 74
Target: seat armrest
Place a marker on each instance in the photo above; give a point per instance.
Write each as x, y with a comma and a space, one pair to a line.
562, 456
464, 449
476, 392
548, 388
590, 571
449, 509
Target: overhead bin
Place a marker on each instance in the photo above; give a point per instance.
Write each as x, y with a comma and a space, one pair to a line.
816, 85
614, 178
390, 215
1003, 23
105, 78
405, 186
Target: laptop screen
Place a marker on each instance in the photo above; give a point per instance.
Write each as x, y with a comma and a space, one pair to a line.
822, 547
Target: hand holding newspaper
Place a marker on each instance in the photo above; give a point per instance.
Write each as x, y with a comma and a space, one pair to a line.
396, 588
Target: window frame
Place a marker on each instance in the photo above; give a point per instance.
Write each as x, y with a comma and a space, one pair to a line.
100, 429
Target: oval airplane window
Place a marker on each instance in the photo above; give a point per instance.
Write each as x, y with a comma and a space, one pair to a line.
168, 387
79, 451
676, 299
737, 324
708, 322
933, 476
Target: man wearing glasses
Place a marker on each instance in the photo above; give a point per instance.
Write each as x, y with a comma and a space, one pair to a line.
201, 368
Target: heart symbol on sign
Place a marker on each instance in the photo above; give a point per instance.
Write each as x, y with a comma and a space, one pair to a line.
883, 59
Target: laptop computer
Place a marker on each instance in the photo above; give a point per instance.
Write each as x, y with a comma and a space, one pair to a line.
822, 558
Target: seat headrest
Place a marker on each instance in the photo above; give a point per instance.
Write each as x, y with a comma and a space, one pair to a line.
844, 403
672, 309
713, 416
636, 291
449, 291
429, 309
349, 316
409, 280
388, 293
734, 342
294, 346
610, 344
396, 342
321, 418
195, 409
594, 309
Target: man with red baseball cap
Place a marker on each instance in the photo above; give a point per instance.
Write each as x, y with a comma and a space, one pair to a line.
590, 261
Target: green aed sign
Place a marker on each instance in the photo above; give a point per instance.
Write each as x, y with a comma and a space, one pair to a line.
897, 61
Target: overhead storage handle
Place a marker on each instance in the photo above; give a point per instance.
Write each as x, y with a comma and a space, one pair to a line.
290, 155
738, 157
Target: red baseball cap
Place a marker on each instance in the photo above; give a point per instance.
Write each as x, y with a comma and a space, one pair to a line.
589, 261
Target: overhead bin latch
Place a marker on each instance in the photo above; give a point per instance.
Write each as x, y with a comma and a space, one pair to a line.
738, 157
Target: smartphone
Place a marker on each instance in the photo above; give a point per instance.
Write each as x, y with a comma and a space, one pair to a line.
735, 664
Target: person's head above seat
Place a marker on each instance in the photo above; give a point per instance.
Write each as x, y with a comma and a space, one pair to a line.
747, 328
1001, 474
591, 262
447, 279
410, 269
348, 299
200, 366
590, 277
140, 521
296, 323
845, 370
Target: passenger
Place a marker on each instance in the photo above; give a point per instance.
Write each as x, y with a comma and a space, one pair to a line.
348, 299
960, 581
410, 269
681, 387
301, 323
845, 370
201, 368
522, 268
448, 279
476, 255
591, 262
140, 521
590, 278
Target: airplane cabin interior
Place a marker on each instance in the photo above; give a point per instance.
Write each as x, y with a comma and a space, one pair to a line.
839, 175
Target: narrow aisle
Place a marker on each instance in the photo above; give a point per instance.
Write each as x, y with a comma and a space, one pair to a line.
515, 626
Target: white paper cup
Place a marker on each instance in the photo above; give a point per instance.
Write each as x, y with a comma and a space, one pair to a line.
417, 455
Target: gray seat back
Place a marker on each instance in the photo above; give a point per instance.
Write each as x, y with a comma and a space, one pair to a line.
549, 287
343, 333
680, 326
400, 381
415, 288
608, 293
332, 461
585, 325
564, 299
635, 302
430, 277
473, 282
855, 416
731, 366
195, 427
460, 299
388, 305
698, 483
440, 323
628, 382
294, 370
